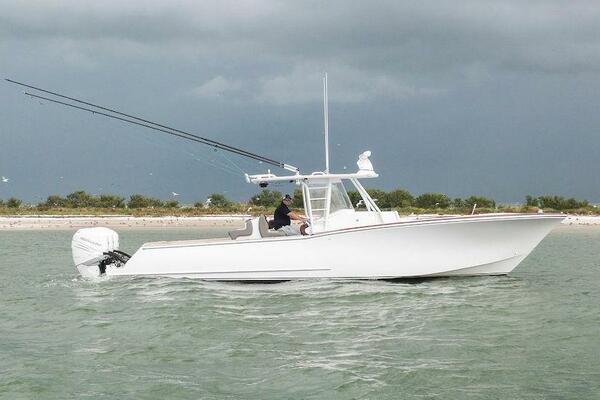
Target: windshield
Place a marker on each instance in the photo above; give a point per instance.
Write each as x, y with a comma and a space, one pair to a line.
318, 198
339, 198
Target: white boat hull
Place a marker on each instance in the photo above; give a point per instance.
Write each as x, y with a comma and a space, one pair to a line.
437, 247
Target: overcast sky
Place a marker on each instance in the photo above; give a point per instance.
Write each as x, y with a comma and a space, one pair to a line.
498, 98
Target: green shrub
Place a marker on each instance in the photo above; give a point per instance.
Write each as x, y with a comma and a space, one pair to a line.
170, 204
482, 202
432, 200
400, 198
110, 201
266, 198
379, 197
459, 203
298, 201
13, 203
354, 197
55, 201
555, 202
141, 201
219, 200
81, 199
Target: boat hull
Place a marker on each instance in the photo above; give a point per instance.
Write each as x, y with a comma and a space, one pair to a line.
437, 247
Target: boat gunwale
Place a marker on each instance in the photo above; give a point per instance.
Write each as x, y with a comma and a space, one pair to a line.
428, 221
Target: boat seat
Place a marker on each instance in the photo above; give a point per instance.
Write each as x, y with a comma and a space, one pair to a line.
263, 228
246, 231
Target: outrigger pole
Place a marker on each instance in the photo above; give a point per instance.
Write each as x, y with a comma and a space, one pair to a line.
114, 114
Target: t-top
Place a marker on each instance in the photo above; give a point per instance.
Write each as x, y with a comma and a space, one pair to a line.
281, 217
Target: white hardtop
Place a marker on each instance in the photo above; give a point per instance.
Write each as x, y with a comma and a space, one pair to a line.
326, 202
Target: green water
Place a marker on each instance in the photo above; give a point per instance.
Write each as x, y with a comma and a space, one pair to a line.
532, 335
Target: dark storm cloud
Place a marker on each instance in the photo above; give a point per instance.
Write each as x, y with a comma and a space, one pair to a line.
386, 48
490, 97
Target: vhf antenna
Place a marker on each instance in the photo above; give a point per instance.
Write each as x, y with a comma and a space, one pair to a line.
326, 123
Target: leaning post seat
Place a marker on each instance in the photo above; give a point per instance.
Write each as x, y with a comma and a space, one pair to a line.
263, 228
246, 231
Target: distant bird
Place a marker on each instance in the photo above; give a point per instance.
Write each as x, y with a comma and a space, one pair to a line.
249, 209
175, 194
5, 179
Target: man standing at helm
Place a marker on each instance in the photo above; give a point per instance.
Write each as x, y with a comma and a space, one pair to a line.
283, 216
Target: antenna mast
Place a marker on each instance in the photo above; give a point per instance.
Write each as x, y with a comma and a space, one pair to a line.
326, 123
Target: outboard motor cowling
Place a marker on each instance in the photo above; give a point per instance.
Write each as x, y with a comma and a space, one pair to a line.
94, 249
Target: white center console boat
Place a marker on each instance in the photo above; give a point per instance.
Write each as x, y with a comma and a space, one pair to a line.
342, 243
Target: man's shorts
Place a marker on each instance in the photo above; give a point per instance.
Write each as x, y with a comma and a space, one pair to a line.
289, 230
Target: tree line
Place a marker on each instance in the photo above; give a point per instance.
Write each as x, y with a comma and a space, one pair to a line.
395, 199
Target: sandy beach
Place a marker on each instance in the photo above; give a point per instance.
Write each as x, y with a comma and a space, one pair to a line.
129, 222
120, 222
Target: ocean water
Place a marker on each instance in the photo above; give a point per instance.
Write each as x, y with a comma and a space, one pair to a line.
532, 335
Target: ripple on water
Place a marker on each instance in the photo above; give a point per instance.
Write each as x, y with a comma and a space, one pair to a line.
530, 335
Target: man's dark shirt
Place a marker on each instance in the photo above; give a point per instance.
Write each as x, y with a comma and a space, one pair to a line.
281, 216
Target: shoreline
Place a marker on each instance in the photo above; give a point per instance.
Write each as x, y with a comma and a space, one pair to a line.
68, 222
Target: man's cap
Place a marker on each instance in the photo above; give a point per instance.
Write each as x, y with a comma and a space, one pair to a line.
287, 197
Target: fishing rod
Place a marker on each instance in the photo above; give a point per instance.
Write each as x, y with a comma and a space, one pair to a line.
150, 125
137, 123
